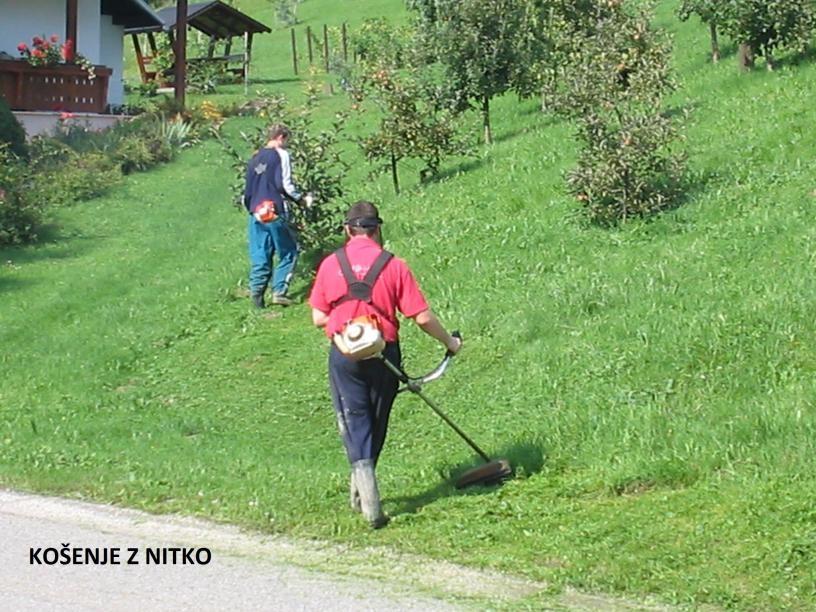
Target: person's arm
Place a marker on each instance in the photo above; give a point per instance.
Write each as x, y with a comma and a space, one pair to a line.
289, 188
428, 323
248, 188
319, 318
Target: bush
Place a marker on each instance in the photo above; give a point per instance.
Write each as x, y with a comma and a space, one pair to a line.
626, 169
59, 176
378, 41
19, 218
628, 165
316, 160
11, 132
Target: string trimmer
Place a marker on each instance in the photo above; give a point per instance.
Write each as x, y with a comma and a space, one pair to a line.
493, 470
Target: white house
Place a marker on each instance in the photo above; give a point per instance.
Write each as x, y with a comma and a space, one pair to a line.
97, 28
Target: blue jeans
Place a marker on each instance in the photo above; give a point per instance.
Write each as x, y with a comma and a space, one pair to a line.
265, 241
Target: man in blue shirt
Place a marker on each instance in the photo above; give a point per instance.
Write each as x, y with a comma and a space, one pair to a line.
267, 196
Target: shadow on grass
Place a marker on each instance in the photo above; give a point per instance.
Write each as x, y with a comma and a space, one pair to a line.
268, 81
69, 245
460, 168
524, 457
10, 284
308, 262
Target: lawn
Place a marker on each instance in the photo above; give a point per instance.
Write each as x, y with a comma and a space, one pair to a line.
652, 384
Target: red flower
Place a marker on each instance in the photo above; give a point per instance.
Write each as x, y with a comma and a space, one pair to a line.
22, 47
54, 38
67, 52
64, 116
37, 41
37, 53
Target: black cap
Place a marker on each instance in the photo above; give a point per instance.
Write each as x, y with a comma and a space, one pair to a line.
363, 214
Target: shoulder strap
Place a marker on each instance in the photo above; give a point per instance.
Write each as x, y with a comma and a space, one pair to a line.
377, 267
360, 289
345, 266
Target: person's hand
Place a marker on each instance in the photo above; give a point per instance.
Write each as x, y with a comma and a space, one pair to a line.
308, 200
454, 345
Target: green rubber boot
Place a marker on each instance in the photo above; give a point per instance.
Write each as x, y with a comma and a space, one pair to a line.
366, 482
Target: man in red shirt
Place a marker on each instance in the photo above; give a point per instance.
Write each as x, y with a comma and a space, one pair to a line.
363, 392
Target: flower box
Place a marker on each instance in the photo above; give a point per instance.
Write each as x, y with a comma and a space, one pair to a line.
60, 87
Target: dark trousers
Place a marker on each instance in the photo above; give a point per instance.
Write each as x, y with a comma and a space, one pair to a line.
363, 393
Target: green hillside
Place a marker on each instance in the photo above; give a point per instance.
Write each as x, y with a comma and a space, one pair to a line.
652, 384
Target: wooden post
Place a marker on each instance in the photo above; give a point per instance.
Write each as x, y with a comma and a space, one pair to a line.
345, 42
309, 42
228, 46
181, 53
294, 51
71, 21
326, 47
211, 47
151, 40
247, 60
139, 58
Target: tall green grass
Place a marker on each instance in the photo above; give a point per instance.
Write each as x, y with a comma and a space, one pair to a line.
653, 384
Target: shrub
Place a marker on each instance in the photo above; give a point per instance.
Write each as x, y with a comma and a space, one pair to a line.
316, 160
11, 132
286, 11
60, 176
378, 41
628, 165
19, 217
626, 168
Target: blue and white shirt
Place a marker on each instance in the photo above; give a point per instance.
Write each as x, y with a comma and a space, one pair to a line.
269, 177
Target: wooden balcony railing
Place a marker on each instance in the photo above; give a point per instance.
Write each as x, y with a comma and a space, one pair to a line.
63, 87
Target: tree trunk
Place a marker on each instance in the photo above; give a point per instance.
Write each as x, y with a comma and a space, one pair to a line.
715, 44
394, 175
745, 56
486, 119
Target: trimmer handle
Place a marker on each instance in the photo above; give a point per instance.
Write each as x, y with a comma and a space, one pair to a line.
416, 382
455, 334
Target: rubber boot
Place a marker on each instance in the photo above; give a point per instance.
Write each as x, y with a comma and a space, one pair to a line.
280, 299
258, 300
354, 495
366, 482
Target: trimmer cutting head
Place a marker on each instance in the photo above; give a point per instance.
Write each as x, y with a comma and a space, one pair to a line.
490, 473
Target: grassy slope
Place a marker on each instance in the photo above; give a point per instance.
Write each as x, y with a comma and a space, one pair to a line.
653, 384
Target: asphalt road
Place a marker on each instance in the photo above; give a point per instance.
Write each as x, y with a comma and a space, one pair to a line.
244, 572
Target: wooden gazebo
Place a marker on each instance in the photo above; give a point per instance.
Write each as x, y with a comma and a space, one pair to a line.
220, 22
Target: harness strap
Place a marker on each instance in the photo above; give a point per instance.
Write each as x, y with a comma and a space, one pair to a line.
361, 289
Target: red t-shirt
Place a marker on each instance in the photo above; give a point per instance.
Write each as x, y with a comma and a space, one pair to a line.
395, 289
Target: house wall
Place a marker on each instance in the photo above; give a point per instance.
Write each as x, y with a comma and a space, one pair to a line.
112, 54
21, 20
100, 40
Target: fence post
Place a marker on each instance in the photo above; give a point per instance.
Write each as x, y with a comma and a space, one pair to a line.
326, 47
309, 42
294, 51
345, 43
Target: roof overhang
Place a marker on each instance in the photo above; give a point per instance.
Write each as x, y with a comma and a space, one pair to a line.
131, 13
214, 19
